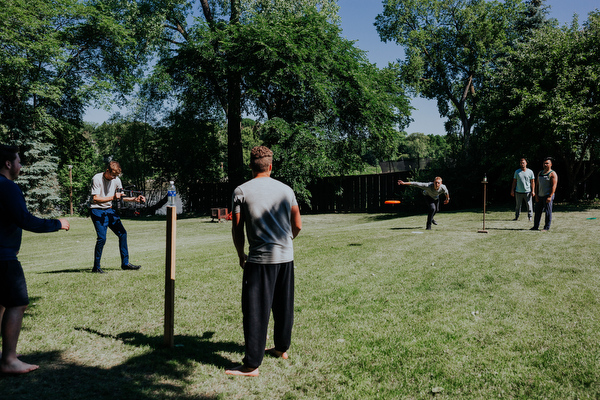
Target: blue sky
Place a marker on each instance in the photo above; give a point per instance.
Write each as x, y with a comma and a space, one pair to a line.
357, 23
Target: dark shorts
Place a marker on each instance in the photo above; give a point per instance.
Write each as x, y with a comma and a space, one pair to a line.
13, 289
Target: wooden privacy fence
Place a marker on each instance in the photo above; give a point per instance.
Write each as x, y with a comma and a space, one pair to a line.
210, 195
360, 193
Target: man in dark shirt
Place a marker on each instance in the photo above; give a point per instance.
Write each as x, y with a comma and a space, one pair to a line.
14, 217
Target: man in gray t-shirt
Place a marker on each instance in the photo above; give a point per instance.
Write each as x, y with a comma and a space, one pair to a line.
432, 192
270, 214
523, 188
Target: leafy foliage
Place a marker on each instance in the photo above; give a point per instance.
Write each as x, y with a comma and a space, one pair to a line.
544, 100
419, 146
291, 66
57, 57
38, 179
449, 45
300, 155
192, 152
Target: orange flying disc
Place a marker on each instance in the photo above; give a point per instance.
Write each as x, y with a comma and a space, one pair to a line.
392, 202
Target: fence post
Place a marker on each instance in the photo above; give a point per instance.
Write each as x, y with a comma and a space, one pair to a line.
170, 277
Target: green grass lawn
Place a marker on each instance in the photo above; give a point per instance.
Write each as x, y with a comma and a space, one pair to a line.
384, 309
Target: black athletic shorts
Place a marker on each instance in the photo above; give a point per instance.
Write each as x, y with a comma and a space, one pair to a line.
13, 289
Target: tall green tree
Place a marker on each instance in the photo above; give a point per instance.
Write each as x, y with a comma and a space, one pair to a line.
38, 178
55, 58
544, 100
191, 153
271, 60
449, 44
134, 144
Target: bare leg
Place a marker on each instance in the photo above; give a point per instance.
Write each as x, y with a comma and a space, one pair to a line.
12, 319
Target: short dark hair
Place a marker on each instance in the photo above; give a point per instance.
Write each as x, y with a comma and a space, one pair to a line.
8, 153
114, 167
260, 158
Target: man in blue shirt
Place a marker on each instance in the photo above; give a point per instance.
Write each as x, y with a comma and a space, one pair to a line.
14, 217
523, 188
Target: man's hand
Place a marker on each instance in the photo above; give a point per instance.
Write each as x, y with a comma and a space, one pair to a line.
401, 182
64, 224
446, 201
243, 260
118, 195
140, 199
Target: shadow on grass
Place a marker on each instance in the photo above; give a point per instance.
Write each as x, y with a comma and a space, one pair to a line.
61, 271
506, 229
87, 270
200, 349
159, 373
389, 215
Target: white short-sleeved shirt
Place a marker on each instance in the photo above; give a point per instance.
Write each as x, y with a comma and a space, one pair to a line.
104, 188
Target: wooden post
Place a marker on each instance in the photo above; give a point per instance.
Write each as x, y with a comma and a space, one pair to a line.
170, 277
71, 193
484, 181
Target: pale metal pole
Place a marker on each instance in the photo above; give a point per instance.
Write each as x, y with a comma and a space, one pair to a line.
484, 182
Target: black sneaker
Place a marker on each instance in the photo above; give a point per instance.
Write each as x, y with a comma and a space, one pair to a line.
98, 270
131, 267
433, 222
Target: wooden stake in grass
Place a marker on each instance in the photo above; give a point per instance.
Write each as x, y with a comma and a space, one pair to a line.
170, 277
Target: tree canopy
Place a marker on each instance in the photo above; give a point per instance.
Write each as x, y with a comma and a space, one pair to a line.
544, 99
449, 44
56, 58
207, 79
283, 61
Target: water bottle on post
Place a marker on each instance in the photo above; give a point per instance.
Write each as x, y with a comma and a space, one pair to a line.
171, 195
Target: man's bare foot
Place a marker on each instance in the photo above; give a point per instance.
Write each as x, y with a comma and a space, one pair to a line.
242, 370
16, 367
277, 353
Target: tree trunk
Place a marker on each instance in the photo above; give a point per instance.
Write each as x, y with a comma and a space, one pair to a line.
235, 158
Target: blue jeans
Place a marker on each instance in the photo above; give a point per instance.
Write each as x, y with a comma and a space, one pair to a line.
104, 219
541, 206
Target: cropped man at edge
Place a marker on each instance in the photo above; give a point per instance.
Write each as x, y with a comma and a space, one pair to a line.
14, 299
